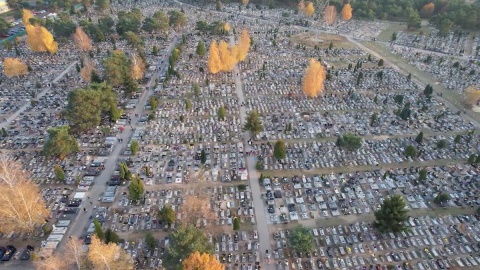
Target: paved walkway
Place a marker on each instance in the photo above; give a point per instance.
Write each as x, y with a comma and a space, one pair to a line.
12, 117
82, 221
253, 175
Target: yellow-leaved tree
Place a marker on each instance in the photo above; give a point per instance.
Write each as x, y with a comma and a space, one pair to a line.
86, 71
346, 12
309, 9
26, 15
243, 45
214, 63
330, 14
227, 60
82, 40
137, 68
23, 207
472, 96
245, 2
427, 10
226, 27
13, 67
108, 256
313, 81
203, 261
39, 39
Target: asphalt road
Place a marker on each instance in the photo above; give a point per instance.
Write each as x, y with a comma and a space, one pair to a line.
79, 225
261, 220
12, 117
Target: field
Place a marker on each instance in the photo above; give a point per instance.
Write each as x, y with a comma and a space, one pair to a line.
322, 41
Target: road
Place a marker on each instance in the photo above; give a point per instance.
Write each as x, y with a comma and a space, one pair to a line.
12, 117
253, 175
82, 220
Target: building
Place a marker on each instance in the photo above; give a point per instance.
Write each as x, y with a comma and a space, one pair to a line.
3, 6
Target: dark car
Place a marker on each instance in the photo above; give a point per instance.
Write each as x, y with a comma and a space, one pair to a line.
88, 239
3, 250
25, 256
9, 253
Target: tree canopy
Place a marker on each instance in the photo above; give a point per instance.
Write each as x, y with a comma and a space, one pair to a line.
60, 143
166, 215
87, 105
199, 260
350, 142
301, 240
253, 123
392, 215
129, 21
279, 150
136, 189
117, 68
177, 19
183, 242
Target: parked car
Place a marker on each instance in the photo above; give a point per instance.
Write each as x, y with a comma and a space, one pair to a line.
10, 251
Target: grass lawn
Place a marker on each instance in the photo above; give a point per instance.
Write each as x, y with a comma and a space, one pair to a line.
322, 41
386, 35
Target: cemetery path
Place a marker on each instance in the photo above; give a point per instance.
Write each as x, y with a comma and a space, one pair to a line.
260, 215
12, 117
82, 220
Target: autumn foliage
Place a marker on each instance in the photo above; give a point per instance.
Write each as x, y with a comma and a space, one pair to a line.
26, 16
245, 2
23, 207
427, 10
226, 27
222, 57
108, 256
82, 40
346, 12
330, 14
197, 261
472, 96
309, 9
39, 39
14, 67
86, 71
313, 81
138, 67
301, 6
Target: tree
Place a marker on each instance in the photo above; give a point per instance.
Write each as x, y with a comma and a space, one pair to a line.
60, 143
392, 215
427, 10
458, 138
111, 237
177, 19
414, 21
472, 96
23, 207
4, 26
236, 224
132, 39
203, 156
301, 240
98, 229
442, 144
134, 147
419, 138
301, 6
346, 12
214, 63
428, 90
445, 27
471, 159
221, 113
105, 25
129, 21
135, 189
87, 105
244, 2
441, 198
166, 215
422, 175
330, 14
150, 241
197, 261
153, 103
70, 256
39, 39
137, 68
350, 142
14, 67
196, 89
201, 50
313, 80
82, 40
108, 256
183, 242
279, 150
86, 71
117, 67
380, 63
59, 173
394, 37
309, 9
196, 209
410, 151
102, 5
253, 123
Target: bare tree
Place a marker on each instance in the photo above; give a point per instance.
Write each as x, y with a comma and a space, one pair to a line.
74, 254
108, 256
23, 207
